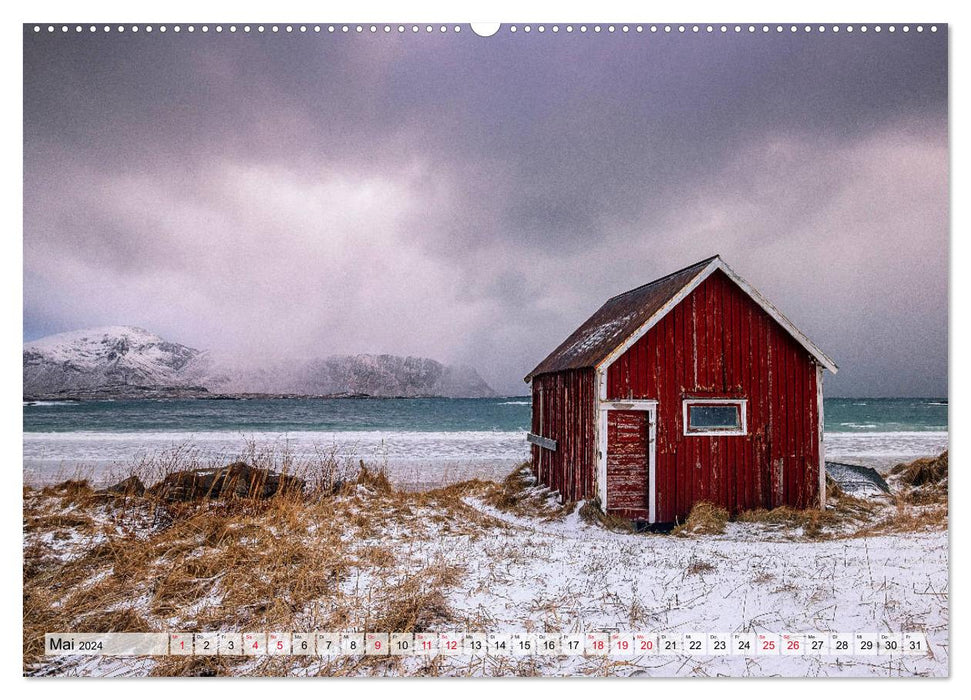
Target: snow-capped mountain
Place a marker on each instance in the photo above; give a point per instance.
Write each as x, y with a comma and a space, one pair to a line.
99, 359
123, 361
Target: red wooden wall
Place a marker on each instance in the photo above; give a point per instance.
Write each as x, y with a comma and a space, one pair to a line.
719, 343
567, 409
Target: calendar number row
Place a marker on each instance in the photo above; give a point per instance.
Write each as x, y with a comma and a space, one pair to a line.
614, 644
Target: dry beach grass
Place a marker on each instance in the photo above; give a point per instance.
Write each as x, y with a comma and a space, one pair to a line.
354, 552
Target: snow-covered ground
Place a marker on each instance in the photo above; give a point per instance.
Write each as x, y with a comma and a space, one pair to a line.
528, 573
570, 576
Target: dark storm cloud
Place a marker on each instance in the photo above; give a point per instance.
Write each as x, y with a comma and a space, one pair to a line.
474, 199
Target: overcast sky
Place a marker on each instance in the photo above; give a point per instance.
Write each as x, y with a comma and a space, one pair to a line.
474, 200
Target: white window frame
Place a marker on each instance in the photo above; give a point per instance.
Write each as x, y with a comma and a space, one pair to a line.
742, 411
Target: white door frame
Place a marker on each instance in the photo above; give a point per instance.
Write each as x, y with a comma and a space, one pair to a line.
633, 405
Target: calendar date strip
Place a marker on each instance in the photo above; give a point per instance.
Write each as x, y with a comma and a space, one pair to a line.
472, 644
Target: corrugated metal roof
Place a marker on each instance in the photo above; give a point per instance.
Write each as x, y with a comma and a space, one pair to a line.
616, 321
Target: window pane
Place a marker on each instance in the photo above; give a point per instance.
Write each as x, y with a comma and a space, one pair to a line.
713, 417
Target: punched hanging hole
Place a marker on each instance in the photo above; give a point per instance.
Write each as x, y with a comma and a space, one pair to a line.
485, 28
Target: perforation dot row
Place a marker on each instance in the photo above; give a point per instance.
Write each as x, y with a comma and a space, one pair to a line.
247, 28
723, 28
428, 28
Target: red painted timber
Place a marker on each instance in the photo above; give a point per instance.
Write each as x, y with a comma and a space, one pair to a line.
568, 418
716, 343
739, 352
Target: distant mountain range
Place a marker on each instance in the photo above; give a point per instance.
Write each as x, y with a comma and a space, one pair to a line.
129, 362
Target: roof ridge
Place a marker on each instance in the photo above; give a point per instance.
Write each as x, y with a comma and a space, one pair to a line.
706, 261
620, 322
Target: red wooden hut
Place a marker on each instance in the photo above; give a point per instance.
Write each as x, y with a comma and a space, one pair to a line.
690, 388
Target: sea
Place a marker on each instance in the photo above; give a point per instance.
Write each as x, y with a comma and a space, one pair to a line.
420, 442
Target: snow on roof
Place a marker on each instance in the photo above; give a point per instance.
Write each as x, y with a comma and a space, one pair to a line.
626, 317
616, 320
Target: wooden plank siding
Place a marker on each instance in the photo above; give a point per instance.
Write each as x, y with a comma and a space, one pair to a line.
568, 417
716, 343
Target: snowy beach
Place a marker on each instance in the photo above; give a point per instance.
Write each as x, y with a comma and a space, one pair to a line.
415, 459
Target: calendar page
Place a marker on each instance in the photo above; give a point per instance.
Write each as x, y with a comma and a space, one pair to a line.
556, 349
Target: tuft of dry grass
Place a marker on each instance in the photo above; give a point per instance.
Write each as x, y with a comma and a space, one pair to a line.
783, 515
74, 493
704, 519
923, 481
922, 472
904, 516
193, 666
698, 567
812, 521
833, 490
417, 603
374, 479
116, 561
520, 494
514, 488
592, 514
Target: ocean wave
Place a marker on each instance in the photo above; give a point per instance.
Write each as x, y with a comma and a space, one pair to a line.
516, 403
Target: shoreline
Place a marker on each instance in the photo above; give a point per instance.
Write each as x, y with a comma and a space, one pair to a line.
96, 397
411, 458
